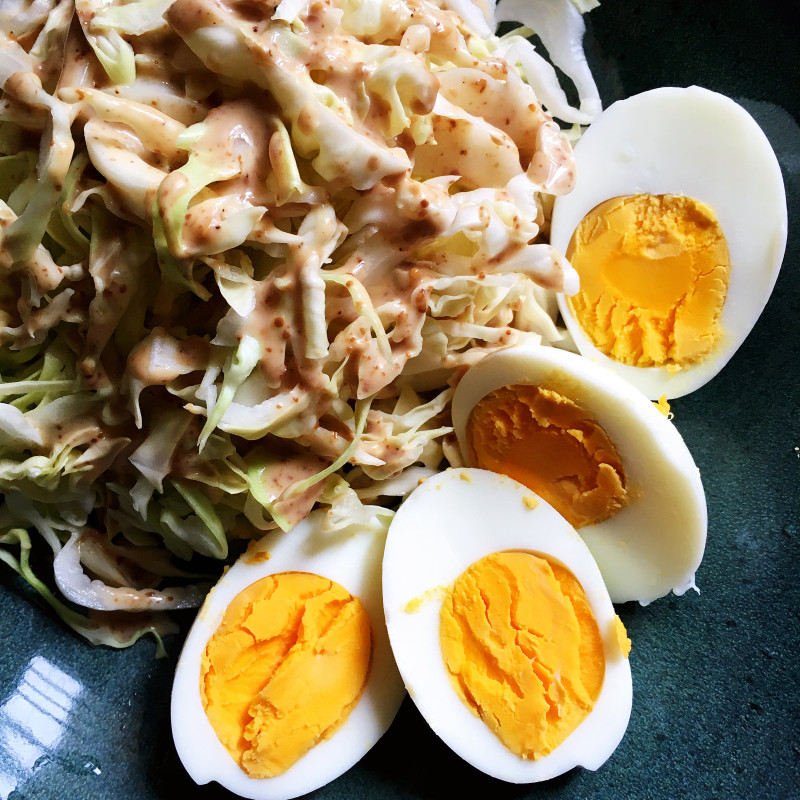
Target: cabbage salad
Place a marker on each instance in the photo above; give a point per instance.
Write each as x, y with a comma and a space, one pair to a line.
247, 248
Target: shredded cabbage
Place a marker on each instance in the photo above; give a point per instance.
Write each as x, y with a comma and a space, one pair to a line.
246, 251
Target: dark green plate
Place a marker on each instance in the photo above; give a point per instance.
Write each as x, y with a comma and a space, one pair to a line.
716, 710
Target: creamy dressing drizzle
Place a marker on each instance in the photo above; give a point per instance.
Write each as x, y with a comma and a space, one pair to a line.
324, 58
347, 215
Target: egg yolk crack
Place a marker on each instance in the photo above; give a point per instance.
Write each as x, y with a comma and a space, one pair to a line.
523, 649
654, 273
284, 669
549, 444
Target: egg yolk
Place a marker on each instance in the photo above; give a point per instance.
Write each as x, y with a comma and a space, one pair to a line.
523, 649
654, 275
284, 669
549, 444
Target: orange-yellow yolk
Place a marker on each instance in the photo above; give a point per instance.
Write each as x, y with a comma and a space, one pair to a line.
621, 634
523, 649
284, 669
654, 275
549, 444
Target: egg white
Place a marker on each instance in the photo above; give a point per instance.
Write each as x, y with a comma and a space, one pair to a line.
352, 559
655, 544
444, 526
700, 144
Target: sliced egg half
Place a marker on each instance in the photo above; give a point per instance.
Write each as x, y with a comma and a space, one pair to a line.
351, 559
594, 445
448, 525
673, 168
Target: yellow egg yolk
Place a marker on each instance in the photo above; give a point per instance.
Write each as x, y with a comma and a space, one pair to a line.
284, 669
622, 637
523, 649
549, 444
654, 275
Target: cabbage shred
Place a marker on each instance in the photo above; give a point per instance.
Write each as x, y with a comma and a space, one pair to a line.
246, 251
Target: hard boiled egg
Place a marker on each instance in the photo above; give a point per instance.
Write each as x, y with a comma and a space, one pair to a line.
677, 228
502, 628
600, 452
287, 678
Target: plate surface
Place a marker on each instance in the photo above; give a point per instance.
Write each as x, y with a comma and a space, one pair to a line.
716, 675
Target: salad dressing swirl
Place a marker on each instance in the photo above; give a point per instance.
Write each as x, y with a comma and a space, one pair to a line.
251, 246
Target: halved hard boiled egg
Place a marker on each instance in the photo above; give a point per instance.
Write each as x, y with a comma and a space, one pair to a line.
677, 228
503, 630
603, 455
287, 678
